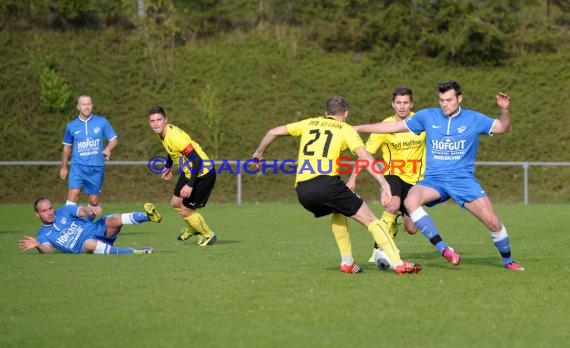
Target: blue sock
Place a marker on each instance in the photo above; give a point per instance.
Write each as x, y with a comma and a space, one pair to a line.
426, 225
501, 241
119, 251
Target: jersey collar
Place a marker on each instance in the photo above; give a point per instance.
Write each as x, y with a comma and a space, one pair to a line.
87, 120
455, 114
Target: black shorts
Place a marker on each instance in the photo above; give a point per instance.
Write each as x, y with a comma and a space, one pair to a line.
201, 191
399, 188
325, 194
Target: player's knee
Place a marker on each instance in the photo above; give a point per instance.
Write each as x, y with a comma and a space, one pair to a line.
410, 227
185, 212
89, 246
176, 202
410, 205
393, 208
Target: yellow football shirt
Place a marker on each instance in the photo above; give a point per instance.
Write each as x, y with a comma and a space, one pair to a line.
322, 141
403, 153
178, 144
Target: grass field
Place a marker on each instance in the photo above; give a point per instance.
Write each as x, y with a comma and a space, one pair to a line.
272, 281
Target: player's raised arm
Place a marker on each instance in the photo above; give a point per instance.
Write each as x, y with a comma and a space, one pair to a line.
503, 123
382, 127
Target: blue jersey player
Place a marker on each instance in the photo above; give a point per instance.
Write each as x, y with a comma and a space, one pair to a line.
86, 135
69, 230
452, 138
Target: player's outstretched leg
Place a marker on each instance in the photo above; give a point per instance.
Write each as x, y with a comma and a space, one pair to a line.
425, 224
100, 248
381, 234
501, 241
383, 262
151, 213
387, 217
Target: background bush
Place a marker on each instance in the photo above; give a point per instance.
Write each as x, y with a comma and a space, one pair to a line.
257, 66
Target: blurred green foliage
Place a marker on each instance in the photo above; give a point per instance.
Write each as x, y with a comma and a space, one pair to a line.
54, 91
466, 32
227, 71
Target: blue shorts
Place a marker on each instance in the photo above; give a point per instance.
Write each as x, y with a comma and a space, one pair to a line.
98, 230
94, 230
462, 189
88, 179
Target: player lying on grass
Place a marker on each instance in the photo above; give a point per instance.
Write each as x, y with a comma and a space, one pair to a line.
70, 229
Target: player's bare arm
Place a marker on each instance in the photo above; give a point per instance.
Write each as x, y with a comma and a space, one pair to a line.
382, 127
166, 174
267, 140
503, 123
110, 146
66, 152
351, 182
29, 243
375, 172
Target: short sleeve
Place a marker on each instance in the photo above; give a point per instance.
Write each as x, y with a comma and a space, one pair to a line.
109, 131
180, 140
374, 142
67, 137
484, 123
353, 140
42, 237
296, 128
416, 123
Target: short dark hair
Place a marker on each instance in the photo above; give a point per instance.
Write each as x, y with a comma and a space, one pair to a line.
402, 91
445, 86
336, 105
156, 110
37, 201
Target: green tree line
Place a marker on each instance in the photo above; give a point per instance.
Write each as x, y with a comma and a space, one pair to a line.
464, 32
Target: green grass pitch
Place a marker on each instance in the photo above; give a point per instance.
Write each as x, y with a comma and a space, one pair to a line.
272, 280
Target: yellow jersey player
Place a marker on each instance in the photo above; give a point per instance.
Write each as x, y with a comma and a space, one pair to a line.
320, 189
403, 156
196, 179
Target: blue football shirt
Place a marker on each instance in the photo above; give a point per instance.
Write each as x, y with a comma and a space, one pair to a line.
451, 142
68, 232
88, 140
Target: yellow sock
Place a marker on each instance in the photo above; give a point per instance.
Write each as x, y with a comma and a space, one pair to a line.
340, 231
177, 209
379, 230
389, 218
196, 221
